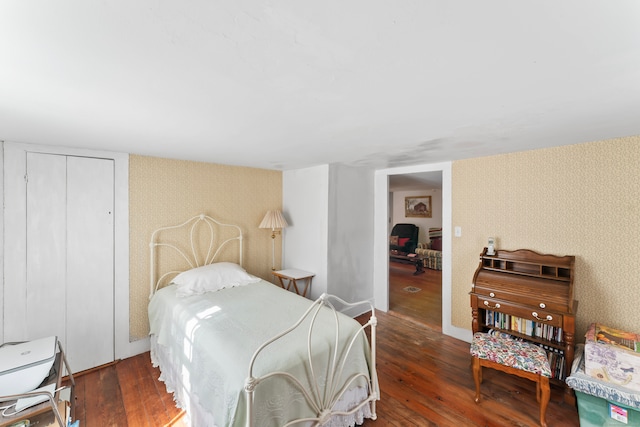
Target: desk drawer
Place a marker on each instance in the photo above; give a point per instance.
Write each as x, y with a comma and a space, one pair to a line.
550, 295
525, 312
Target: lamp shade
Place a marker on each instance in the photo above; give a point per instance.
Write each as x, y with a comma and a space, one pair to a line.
273, 220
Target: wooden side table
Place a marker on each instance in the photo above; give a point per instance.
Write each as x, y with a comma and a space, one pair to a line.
292, 276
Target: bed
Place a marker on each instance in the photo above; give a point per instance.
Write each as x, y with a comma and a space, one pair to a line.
236, 350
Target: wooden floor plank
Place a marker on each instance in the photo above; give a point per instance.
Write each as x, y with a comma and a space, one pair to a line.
130, 384
111, 404
80, 403
165, 399
150, 398
102, 402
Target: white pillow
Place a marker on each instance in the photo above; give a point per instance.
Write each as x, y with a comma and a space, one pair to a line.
212, 277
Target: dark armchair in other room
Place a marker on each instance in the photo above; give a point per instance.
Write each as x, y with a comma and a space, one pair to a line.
404, 238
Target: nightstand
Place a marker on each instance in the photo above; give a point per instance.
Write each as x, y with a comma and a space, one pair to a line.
292, 276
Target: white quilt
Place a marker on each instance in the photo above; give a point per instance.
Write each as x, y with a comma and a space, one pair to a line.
203, 345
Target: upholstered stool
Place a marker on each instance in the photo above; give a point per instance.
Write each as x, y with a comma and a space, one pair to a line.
519, 358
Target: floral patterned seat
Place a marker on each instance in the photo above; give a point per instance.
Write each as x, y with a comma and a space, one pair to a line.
509, 352
514, 357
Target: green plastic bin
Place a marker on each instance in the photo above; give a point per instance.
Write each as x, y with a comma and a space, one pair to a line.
596, 412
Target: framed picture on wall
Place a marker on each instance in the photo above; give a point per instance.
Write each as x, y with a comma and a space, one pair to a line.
417, 206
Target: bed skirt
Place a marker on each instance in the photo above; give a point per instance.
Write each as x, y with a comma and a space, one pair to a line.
196, 415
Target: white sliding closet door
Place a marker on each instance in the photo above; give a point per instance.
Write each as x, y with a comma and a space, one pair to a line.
70, 255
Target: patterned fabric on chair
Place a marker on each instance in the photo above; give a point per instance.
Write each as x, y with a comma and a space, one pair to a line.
519, 358
432, 258
432, 251
509, 352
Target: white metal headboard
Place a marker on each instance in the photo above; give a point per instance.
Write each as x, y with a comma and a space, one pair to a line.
192, 257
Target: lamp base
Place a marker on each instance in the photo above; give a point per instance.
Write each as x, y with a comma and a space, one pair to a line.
273, 251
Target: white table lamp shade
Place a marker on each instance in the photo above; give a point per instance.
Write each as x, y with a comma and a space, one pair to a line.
273, 220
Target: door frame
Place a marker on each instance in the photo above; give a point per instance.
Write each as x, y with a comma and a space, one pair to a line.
14, 156
381, 240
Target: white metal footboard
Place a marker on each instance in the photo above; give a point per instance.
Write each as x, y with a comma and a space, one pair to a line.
323, 403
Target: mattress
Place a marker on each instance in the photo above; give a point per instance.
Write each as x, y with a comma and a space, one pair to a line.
203, 345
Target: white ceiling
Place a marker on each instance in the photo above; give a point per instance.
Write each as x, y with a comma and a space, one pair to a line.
415, 181
292, 84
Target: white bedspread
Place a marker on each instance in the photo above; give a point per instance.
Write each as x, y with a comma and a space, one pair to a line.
203, 345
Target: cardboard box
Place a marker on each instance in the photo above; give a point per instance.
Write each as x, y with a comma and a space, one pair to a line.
613, 355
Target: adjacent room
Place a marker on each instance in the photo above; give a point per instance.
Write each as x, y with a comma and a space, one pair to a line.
415, 257
253, 213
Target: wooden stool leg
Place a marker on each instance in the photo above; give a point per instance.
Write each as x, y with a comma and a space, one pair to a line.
545, 394
477, 376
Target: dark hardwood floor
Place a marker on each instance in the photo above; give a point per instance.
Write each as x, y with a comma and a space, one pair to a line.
423, 306
425, 380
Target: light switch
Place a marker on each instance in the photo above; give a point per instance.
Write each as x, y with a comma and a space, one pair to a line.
458, 231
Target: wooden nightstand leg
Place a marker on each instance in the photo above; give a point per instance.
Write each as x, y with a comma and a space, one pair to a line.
306, 286
295, 285
291, 277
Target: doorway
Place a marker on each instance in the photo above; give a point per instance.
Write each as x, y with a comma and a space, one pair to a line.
415, 291
381, 241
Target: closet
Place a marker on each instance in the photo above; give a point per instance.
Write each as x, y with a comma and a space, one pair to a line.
59, 253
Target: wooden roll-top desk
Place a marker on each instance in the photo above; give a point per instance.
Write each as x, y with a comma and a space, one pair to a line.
529, 296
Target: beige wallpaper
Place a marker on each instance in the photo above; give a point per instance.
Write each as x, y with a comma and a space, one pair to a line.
581, 200
167, 192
